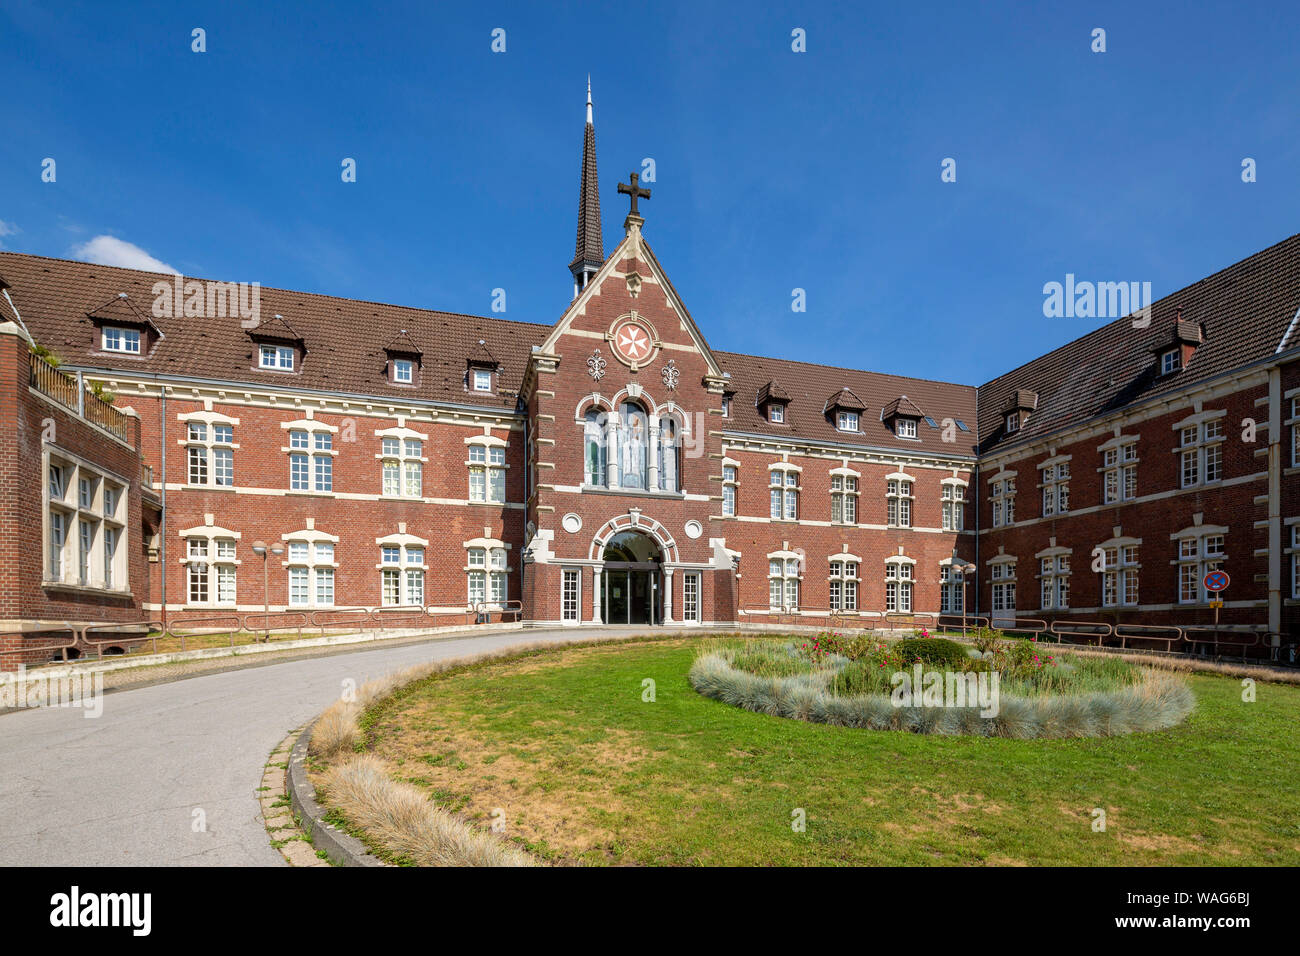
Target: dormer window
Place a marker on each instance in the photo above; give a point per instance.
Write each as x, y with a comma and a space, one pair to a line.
403, 371
276, 357
117, 339
905, 427
847, 421
1019, 406
1170, 362
772, 399
481, 379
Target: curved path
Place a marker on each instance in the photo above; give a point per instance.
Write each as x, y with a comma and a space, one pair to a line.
122, 789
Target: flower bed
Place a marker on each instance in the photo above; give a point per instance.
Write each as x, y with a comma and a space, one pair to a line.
998, 689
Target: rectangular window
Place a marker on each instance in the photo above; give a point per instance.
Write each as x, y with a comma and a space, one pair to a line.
324, 472
223, 467
691, 597
569, 595
86, 544
414, 587
298, 589
277, 357
403, 371
728, 501
482, 380
847, 421
392, 581
392, 478
905, 428
776, 414
1170, 362
121, 340
298, 473
198, 462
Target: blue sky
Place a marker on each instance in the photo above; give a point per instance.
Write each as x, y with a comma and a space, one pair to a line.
774, 169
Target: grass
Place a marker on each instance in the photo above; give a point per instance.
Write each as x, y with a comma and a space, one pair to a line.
583, 770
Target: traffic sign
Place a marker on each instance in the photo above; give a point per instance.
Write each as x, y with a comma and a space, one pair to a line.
1216, 581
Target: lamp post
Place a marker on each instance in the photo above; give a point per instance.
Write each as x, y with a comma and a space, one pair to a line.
261, 550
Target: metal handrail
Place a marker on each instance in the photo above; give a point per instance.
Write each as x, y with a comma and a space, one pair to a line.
152, 630
1124, 632
1080, 629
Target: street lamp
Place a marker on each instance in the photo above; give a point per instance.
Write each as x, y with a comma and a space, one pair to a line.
260, 549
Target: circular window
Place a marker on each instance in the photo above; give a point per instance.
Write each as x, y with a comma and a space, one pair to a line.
694, 529
571, 523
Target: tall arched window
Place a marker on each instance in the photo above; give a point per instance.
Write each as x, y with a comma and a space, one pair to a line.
594, 440
670, 447
633, 456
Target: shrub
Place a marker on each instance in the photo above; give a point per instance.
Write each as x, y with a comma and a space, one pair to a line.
934, 650
987, 638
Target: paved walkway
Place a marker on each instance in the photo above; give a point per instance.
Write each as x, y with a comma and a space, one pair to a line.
123, 789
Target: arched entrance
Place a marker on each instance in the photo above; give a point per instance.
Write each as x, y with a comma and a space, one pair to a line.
632, 593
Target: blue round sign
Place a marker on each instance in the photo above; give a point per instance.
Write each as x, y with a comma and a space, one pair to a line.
1216, 581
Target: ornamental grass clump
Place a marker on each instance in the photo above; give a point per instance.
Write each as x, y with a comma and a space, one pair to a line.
1025, 692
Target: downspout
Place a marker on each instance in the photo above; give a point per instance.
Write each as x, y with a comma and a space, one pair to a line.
1275, 507
162, 530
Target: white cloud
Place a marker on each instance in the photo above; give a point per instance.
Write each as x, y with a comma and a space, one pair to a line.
7, 229
111, 251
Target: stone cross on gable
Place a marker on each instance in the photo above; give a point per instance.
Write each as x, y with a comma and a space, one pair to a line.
635, 191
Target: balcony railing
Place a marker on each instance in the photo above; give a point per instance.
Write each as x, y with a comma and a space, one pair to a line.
64, 389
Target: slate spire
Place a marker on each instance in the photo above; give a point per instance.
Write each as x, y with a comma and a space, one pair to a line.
589, 254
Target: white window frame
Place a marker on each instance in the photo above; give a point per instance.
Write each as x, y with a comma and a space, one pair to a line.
480, 379
276, 358
846, 421
783, 492
486, 465
116, 338
86, 498
783, 576
1198, 551
844, 498
905, 428
952, 505
898, 500
730, 489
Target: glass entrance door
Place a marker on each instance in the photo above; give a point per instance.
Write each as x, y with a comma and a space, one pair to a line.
631, 596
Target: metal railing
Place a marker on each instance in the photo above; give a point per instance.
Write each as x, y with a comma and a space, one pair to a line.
74, 396
257, 626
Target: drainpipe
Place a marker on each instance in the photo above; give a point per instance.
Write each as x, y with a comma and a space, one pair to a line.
162, 530
1275, 506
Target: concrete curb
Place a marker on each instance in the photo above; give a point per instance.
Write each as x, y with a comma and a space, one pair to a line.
342, 848
247, 650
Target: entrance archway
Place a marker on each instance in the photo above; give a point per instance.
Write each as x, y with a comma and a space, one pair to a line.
631, 579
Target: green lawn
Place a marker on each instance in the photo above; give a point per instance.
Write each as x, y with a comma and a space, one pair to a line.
584, 770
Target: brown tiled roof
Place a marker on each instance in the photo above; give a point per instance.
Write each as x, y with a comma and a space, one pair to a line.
344, 337
274, 327
1244, 309
1021, 398
403, 344
901, 407
120, 308
772, 392
846, 400
805, 416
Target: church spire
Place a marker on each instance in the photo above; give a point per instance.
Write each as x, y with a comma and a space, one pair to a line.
590, 252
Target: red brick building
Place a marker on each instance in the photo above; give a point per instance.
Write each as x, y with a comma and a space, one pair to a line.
76, 509
614, 468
